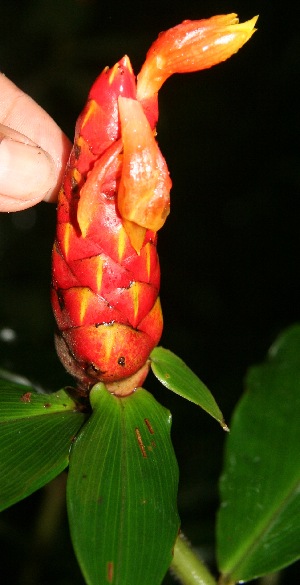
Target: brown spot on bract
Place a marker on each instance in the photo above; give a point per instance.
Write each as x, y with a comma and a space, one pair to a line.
74, 184
26, 397
140, 442
47, 405
77, 150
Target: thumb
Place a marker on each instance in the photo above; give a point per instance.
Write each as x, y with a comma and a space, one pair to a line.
27, 172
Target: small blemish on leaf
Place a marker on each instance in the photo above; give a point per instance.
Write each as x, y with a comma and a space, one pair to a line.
47, 405
26, 397
140, 442
149, 426
110, 571
152, 446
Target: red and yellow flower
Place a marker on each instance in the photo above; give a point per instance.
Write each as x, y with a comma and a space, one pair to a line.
114, 198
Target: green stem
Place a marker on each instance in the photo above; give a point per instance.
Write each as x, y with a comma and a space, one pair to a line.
46, 529
187, 566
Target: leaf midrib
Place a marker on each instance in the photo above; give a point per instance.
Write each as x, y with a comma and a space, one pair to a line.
261, 531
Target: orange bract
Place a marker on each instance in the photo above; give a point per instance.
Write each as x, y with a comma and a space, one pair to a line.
144, 191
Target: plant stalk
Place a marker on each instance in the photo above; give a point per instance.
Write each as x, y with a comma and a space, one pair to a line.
46, 529
187, 566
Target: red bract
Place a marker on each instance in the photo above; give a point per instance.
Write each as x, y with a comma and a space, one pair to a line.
114, 198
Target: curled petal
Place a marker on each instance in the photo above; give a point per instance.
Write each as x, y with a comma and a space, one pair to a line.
191, 46
144, 191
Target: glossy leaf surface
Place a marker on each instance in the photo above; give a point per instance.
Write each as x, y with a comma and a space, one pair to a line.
259, 519
122, 490
173, 373
36, 431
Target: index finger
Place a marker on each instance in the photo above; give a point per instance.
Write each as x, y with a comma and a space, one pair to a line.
22, 114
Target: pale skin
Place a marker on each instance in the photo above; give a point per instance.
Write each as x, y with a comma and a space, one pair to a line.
33, 151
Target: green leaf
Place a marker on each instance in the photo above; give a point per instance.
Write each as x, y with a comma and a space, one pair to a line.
258, 529
36, 431
173, 373
122, 489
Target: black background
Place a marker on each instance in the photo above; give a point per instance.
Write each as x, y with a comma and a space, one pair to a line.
229, 250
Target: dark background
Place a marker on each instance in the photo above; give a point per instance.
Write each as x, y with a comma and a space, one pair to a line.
229, 249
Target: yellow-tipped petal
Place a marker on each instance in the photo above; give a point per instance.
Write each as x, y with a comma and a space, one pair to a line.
191, 46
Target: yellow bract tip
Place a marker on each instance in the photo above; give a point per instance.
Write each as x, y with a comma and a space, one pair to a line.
115, 70
136, 234
113, 73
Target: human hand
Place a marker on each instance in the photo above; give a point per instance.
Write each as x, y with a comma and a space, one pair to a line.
33, 151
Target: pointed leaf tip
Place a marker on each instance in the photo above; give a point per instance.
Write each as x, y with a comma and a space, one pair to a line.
175, 375
224, 426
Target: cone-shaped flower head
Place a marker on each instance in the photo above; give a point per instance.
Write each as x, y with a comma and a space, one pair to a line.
114, 198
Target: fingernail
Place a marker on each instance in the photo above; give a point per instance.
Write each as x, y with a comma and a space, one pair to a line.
26, 172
